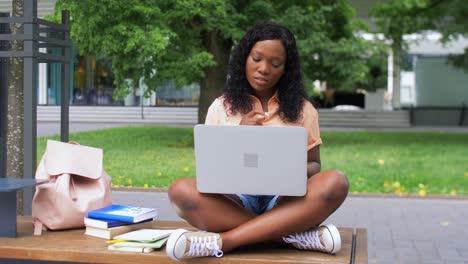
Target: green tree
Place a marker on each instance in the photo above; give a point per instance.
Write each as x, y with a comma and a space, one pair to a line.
376, 59
395, 19
190, 41
399, 17
15, 126
451, 21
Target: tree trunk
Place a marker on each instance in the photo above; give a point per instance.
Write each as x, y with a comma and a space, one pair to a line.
215, 77
15, 127
397, 52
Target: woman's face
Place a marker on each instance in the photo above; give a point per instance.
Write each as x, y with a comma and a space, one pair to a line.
265, 65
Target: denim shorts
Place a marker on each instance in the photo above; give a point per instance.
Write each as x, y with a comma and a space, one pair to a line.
258, 204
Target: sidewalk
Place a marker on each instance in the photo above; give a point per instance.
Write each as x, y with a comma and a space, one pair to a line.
409, 230
53, 128
400, 230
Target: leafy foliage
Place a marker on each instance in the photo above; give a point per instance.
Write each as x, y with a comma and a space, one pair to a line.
453, 23
171, 36
399, 17
376, 60
328, 48
137, 36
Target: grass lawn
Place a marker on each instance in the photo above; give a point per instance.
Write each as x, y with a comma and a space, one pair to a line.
375, 162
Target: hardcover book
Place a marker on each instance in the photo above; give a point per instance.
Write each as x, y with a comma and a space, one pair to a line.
124, 213
106, 223
103, 223
131, 249
145, 235
111, 233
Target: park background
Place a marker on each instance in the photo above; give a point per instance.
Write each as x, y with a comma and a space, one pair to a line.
405, 155
369, 58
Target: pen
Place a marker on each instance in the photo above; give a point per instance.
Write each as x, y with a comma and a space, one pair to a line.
112, 241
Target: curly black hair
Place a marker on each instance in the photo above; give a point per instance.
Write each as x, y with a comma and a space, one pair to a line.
291, 92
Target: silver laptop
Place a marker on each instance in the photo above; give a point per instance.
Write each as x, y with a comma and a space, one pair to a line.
263, 160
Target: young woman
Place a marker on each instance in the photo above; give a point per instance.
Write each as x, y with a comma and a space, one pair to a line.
264, 87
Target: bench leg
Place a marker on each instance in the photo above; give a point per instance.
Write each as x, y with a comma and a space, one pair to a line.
8, 211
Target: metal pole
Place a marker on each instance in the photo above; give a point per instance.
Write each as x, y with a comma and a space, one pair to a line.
65, 100
4, 46
462, 115
30, 100
141, 103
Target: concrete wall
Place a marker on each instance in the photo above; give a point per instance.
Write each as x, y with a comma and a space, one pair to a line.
440, 117
439, 83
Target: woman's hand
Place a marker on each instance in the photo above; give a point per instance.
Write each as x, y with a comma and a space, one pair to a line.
253, 118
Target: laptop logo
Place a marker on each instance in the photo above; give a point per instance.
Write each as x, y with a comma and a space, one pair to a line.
251, 160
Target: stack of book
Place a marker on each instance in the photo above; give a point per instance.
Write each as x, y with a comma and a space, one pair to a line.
115, 220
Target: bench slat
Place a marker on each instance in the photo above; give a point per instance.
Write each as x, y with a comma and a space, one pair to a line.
360, 256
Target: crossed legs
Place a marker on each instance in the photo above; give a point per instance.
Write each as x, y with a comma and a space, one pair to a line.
237, 227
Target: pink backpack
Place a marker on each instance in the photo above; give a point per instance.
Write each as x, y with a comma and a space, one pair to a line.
77, 184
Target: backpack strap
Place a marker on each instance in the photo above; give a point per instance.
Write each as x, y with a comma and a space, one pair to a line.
37, 227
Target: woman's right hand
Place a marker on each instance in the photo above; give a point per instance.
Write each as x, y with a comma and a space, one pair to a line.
253, 118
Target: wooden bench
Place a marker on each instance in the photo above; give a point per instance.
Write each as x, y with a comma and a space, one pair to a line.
74, 246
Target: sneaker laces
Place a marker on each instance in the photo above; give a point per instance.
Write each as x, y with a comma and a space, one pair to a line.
204, 246
305, 240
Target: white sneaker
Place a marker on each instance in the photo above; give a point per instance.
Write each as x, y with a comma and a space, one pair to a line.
186, 244
324, 238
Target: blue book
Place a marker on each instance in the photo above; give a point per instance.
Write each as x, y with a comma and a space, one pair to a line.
103, 223
124, 213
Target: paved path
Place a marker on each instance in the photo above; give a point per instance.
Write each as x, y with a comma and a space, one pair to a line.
53, 128
400, 230
409, 230
45, 129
